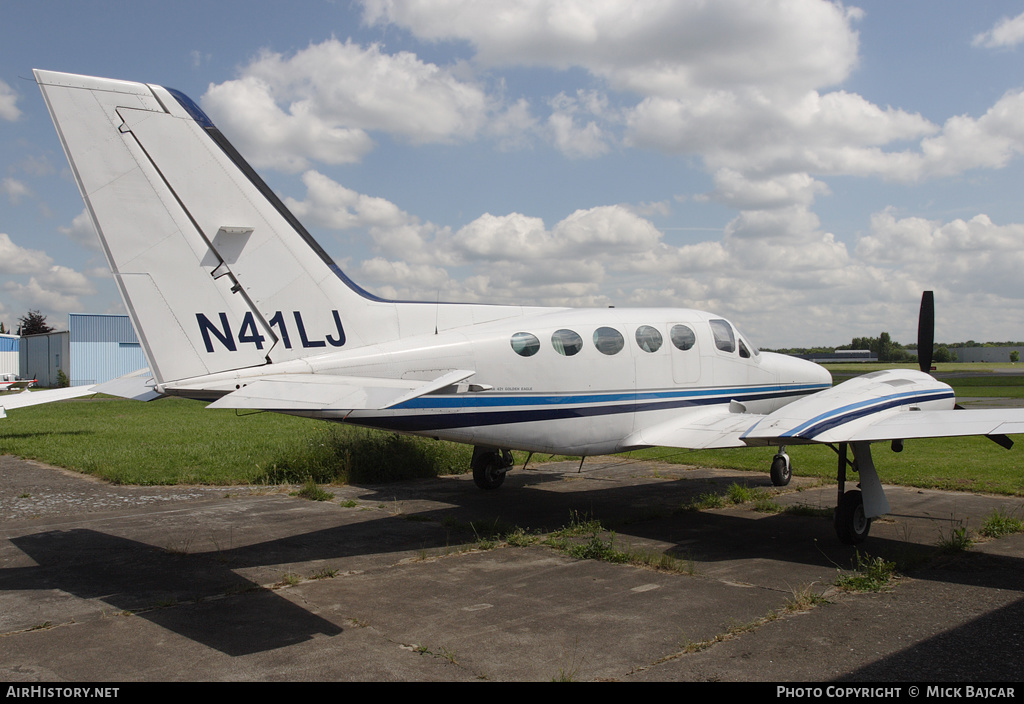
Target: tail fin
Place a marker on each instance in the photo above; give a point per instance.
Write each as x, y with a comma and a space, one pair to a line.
216, 274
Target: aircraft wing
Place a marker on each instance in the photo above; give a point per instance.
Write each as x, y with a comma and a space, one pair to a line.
34, 398
887, 405
940, 424
881, 406
319, 392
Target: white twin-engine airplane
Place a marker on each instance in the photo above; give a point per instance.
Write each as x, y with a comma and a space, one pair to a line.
235, 303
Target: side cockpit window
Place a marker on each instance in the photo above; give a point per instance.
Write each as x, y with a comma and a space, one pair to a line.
725, 338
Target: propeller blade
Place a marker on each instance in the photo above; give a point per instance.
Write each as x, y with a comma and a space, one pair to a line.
926, 331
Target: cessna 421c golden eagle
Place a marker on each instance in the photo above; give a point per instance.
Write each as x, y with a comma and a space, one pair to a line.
236, 304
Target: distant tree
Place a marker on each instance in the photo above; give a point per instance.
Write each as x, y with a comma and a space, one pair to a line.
942, 354
33, 323
1015, 356
3, 331
885, 348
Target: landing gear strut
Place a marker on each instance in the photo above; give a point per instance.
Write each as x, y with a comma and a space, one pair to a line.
850, 519
490, 466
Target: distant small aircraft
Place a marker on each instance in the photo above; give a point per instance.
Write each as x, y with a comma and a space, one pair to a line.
235, 303
10, 382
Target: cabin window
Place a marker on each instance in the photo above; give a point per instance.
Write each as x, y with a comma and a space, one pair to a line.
682, 337
525, 344
725, 338
566, 342
744, 352
648, 338
608, 340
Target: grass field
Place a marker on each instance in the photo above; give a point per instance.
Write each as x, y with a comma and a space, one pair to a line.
175, 441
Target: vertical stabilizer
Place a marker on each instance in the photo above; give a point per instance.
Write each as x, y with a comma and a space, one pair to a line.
216, 274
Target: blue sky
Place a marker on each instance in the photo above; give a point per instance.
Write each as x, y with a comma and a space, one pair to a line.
803, 168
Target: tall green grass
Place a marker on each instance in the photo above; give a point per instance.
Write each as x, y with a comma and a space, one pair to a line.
339, 453
177, 441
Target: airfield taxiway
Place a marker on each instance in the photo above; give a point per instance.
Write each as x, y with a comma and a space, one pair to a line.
401, 583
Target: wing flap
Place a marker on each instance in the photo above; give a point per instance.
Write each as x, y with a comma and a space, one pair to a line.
320, 392
698, 431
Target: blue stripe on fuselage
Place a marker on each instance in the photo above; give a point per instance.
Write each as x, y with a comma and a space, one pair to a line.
712, 395
499, 410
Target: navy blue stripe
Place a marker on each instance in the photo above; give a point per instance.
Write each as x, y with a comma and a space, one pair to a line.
816, 428
713, 394
445, 421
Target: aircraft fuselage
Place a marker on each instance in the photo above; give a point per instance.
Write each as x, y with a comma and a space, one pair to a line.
580, 381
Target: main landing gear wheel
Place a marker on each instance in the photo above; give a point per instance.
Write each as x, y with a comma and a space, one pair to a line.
490, 467
851, 523
781, 470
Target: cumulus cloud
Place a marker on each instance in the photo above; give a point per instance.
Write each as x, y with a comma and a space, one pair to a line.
735, 188
39, 294
322, 102
647, 46
49, 287
329, 204
836, 133
14, 189
8, 103
82, 231
18, 260
1008, 32
570, 136
989, 141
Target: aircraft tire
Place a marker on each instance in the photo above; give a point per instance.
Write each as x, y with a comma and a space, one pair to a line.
489, 474
781, 471
851, 523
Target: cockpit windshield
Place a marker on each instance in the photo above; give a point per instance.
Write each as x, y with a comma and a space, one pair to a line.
729, 339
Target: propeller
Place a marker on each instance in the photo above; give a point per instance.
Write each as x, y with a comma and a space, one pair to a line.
926, 332
925, 343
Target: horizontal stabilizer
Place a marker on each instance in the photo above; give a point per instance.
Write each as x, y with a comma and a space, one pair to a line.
34, 398
322, 392
137, 386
